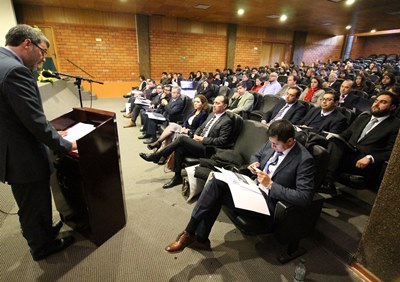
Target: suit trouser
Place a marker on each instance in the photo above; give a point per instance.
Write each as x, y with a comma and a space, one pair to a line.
343, 159
135, 112
183, 146
215, 194
35, 212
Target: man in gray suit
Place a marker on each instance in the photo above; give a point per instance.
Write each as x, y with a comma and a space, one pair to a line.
285, 172
25, 138
242, 100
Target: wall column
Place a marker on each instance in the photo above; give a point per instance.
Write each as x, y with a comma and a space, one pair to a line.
143, 44
299, 43
347, 45
379, 247
230, 52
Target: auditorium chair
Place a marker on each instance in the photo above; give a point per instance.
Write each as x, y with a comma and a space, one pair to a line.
258, 100
268, 102
291, 223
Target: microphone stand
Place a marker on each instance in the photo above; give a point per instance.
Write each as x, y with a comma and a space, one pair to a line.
78, 82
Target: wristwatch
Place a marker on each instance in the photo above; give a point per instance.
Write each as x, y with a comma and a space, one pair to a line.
370, 158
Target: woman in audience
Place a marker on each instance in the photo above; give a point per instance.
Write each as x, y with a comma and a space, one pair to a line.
198, 76
192, 122
360, 83
207, 90
233, 82
258, 85
314, 92
386, 82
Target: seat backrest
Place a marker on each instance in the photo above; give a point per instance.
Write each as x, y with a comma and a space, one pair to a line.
306, 104
282, 79
269, 101
237, 124
258, 99
349, 114
252, 136
224, 90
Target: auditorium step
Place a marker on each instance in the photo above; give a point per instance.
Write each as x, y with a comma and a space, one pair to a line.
342, 223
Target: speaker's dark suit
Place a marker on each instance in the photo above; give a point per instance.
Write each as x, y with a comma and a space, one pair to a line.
25, 135
350, 102
378, 142
335, 122
219, 135
293, 181
294, 114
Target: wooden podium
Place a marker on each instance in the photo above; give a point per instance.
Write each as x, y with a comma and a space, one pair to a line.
87, 186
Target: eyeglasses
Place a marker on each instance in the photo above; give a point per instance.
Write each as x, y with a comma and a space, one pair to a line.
327, 99
44, 51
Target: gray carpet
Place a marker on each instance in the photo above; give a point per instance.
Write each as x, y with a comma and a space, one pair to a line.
155, 217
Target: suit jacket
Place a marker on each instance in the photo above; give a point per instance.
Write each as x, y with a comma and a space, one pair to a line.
173, 108
25, 131
336, 85
293, 179
220, 132
378, 142
296, 112
197, 121
335, 122
245, 104
350, 101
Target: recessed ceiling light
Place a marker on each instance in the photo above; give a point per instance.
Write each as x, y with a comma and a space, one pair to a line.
326, 24
283, 18
240, 12
201, 6
255, 48
350, 2
373, 30
273, 16
348, 27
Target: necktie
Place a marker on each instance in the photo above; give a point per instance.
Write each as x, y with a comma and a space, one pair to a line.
280, 113
272, 161
367, 128
204, 132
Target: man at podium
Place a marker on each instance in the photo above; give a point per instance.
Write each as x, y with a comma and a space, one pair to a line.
25, 137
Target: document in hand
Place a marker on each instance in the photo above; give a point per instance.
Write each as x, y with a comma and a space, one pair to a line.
157, 116
245, 193
142, 101
330, 135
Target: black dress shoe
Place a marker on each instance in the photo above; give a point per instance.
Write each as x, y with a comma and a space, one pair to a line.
173, 182
144, 136
142, 128
150, 140
162, 161
54, 247
327, 188
154, 145
127, 96
56, 228
150, 157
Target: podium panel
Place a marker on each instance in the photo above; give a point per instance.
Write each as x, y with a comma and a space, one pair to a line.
87, 186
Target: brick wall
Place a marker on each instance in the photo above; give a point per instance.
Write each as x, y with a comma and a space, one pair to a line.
381, 44
320, 47
245, 52
112, 59
186, 52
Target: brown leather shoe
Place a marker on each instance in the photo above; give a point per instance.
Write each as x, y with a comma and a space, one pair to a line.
127, 115
184, 239
131, 124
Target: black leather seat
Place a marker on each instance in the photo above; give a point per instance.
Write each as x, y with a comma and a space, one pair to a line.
268, 102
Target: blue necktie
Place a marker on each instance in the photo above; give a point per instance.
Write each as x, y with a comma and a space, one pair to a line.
272, 161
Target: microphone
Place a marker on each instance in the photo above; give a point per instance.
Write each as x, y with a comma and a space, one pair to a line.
49, 74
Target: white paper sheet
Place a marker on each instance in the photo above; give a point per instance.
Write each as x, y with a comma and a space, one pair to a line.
78, 131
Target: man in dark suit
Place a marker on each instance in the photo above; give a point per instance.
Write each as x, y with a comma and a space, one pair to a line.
286, 172
215, 131
25, 138
326, 117
170, 109
371, 137
333, 82
290, 108
348, 99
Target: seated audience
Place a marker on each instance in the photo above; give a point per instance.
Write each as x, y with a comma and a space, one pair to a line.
384, 84
141, 87
207, 90
249, 82
258, 85
290, 108
333, 82
191, 123
327, 117
215, 131
371, 137
272, 86
360, 83
291, 81
153, 96
286, 172
173, 107
149, 89
242, 100
314, 92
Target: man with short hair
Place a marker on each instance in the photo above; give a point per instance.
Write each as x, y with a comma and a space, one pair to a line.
347, 99
285, 172
272, 86
26, 135
215, 131
371, 136
242, 100
291, 82
333, 82
327, 117
290, 108
249, 82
